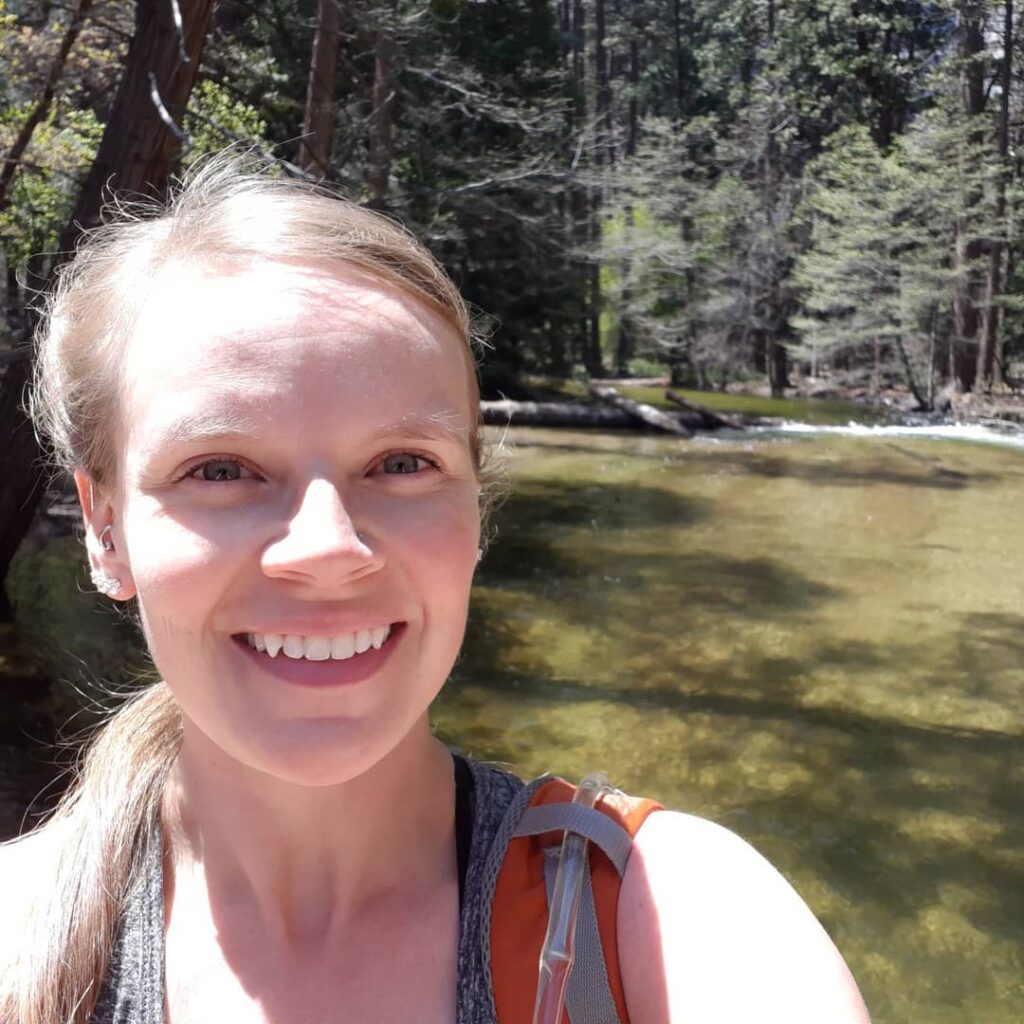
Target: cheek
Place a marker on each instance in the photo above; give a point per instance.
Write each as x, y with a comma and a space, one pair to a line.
442, 532
176, 564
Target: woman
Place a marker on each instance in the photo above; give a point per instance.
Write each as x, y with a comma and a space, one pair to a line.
267, 398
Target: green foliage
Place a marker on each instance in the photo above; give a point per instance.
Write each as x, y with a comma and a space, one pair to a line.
791, 177
217, 119
43, 193
882, 234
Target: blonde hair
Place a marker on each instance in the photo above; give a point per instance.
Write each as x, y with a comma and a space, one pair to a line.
226, 212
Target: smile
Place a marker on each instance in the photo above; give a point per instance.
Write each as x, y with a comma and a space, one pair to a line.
340, 647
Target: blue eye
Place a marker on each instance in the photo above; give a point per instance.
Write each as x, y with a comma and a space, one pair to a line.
403, 462
218, 470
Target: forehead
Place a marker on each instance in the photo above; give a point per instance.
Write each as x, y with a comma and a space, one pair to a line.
246, 336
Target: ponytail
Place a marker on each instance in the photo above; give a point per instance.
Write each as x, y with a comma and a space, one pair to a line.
103, 829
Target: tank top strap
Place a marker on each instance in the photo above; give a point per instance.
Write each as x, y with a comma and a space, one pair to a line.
133, 990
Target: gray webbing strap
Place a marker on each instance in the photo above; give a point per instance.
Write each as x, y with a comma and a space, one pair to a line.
588, 996
613, 840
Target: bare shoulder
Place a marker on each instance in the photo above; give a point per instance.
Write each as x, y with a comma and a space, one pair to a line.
710, 933
26, 868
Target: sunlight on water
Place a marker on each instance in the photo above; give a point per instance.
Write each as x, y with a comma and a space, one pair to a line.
815, 640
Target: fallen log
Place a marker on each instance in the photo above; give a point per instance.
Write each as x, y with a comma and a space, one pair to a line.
644, 414
554, 414
709, 417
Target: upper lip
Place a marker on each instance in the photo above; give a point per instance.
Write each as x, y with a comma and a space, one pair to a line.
320, 629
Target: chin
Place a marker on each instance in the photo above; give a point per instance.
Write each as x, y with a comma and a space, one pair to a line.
318, 754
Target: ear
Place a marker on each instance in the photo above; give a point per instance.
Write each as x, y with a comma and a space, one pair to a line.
98, 514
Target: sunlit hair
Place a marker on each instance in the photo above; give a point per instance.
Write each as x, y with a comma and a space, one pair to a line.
225, 214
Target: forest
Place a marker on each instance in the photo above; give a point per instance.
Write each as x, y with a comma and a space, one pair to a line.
717, 191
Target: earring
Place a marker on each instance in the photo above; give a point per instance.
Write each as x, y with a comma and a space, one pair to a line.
109, 585
479, 555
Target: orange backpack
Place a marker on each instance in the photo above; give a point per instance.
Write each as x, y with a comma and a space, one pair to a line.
519, 912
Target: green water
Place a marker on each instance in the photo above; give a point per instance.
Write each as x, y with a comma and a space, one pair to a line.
816, 641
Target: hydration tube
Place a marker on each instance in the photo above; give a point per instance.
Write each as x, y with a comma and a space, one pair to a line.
558, 952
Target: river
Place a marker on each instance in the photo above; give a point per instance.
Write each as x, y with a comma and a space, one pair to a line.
815, 638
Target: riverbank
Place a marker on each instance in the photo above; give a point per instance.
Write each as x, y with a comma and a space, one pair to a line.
812, 401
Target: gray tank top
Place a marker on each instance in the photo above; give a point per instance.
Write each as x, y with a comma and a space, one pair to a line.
133, 991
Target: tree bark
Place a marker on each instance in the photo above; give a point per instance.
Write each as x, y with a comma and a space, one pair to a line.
21, 141
143, 138
580, 204
646, 415
709, 417
633, 136
555, 414
988, 333
136, 155
604, 149
971, 44
382, 125
318, 120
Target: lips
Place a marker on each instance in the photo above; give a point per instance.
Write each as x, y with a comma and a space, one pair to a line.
285, 657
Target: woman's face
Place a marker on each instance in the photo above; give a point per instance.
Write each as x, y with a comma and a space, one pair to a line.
296, 473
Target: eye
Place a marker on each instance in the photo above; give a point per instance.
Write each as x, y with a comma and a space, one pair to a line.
218, 471
404, 462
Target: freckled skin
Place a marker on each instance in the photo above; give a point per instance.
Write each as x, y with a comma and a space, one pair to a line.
317, 365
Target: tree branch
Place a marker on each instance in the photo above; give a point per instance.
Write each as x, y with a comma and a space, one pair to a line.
42, 108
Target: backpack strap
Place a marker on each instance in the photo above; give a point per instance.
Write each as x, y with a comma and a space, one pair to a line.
519, 913
613, 840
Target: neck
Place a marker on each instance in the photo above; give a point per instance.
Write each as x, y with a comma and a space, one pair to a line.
302, 857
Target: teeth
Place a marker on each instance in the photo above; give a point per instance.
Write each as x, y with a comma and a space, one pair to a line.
343, 647
320, 648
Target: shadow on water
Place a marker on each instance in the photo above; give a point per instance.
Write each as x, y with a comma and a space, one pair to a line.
917, 825
600, 504
839, 677
838, 473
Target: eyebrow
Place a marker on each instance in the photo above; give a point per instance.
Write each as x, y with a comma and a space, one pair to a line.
435, 426
211, 426
208, 426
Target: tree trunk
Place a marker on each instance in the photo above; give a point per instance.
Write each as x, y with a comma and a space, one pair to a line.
776, 365
42, 107
579, 196
677, 32
990, 317
633, 137
318, 121
592, 357
710, 418
21, 477
924, 403
136, 155
604, 152
382, 124
644, 414
963, 362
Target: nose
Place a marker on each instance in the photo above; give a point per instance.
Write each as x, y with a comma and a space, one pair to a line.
320, 543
